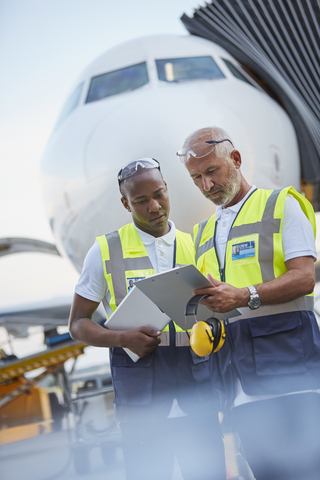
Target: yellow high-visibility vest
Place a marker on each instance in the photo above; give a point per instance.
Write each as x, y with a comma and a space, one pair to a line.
124, 257
257, 230
274, 349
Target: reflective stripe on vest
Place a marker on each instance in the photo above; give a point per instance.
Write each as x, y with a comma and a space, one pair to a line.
269, 255
182, 339
117, 266
299, 304
268, 224
266, 228
207, 245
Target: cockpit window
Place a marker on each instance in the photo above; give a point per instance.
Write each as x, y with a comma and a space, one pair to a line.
118, 81
71, 103
189, 68
236, 72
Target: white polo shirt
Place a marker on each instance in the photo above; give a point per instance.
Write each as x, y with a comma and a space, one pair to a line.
93, 286
92, 283
297, 241
297, 233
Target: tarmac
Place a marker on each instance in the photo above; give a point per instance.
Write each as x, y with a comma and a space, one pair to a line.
56, 456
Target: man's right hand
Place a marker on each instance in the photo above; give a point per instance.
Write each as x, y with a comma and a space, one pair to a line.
142, 341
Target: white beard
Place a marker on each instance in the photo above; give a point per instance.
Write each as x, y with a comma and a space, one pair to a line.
232, 188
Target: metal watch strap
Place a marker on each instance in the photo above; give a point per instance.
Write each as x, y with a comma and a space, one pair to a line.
255, 300
252, 291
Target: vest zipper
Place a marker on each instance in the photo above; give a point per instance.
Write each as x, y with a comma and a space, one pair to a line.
221, 270
223, 279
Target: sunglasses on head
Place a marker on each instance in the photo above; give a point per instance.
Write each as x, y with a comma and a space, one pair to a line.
200, 149
132, 167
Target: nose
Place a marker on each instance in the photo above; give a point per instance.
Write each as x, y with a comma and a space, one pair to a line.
154, 205
207, 183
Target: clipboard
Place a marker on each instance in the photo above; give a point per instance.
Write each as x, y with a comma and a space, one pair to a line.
136, 310
171, 291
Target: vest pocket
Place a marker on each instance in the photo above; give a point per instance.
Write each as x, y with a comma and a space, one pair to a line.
132, 381
200, 367
277, 344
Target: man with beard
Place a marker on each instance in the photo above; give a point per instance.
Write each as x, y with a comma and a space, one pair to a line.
258, 251
167, 402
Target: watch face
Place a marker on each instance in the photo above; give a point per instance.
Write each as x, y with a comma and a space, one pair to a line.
255, 302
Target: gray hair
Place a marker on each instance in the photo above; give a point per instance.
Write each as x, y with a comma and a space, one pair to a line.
222, 150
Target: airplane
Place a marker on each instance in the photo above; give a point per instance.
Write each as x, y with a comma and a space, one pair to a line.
142, 99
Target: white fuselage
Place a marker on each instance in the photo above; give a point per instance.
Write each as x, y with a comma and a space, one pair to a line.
96, 138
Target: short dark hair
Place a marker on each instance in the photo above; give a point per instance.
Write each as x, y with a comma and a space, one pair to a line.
136, 167
122, 186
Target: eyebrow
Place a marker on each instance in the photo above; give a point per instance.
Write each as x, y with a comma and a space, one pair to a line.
207, 170
211, 167
145, 196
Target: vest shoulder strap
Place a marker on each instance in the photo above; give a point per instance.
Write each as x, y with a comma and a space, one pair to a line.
185, 254
305, 205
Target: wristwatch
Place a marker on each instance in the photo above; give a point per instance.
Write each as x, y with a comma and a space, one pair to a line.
255, 300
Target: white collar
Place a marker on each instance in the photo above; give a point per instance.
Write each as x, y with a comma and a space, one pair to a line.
234, 208
148, 239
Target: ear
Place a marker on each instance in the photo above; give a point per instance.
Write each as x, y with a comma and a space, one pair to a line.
125, 203
236, 157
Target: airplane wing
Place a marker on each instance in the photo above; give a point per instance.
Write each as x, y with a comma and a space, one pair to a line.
278, 41
9, 246
49, 314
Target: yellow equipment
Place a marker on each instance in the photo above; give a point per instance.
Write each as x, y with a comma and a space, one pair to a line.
206, 336
25, 409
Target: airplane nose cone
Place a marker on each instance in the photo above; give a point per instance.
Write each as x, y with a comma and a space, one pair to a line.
144, 126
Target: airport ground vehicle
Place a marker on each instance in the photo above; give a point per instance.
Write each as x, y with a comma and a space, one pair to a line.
81, 404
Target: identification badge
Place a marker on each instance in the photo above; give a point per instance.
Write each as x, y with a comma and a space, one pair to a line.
243, 250
131, 281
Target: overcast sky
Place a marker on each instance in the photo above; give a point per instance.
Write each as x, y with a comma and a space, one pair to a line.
44, 45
